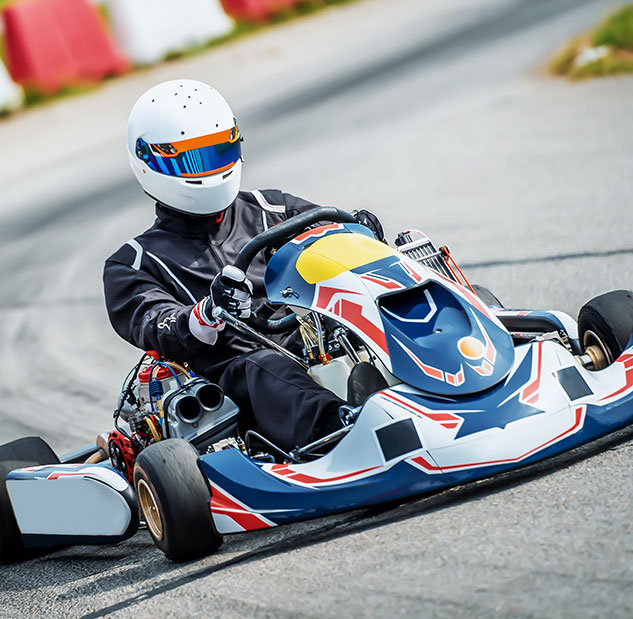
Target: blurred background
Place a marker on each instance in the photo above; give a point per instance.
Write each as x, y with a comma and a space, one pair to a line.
464, 118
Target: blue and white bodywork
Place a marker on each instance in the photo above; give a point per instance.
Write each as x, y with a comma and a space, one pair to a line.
72, 504
466, 404
465, 397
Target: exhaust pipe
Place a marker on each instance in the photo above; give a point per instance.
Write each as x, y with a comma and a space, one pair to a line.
189, 402
184, 406
209, 396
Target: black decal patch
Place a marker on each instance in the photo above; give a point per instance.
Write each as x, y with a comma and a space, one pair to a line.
573, 383
398, 439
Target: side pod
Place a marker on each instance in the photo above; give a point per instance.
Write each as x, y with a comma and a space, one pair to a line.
66, 504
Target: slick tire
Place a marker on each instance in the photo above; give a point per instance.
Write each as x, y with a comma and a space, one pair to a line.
486, 296
174, 498
607, 321
29, 451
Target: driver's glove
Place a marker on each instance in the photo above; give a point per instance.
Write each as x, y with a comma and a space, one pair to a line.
233, 291
202, 324
369, 220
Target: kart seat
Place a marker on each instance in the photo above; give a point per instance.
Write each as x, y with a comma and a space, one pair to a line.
364, 380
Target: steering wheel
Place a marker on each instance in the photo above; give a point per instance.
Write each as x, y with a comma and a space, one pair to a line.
275, 237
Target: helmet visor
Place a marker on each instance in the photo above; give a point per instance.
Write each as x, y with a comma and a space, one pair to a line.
196, 157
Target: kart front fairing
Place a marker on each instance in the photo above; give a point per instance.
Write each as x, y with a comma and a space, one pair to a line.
429, 332
406, 442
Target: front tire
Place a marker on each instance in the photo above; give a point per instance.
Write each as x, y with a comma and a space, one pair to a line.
29, 451
605, 326
175, 500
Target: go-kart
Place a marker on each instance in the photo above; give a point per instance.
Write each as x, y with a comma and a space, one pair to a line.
445, 386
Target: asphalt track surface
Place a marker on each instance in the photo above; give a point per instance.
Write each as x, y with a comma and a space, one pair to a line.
440, 118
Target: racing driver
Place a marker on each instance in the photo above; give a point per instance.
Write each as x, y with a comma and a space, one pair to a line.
161, 287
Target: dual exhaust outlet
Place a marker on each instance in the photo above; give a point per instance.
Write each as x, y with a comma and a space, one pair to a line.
191, 401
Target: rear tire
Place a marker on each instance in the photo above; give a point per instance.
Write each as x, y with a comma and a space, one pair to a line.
29, 451
607, 322
175, 500
486, 296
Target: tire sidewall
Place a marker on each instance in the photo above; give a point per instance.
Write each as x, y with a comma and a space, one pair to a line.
610, 317
28, 451
157, 492
182, 496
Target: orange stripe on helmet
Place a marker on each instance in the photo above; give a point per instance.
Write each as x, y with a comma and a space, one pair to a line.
205, 140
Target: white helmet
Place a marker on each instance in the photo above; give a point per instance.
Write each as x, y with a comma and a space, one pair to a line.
184, 146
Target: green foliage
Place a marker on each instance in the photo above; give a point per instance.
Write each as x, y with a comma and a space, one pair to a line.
609, 65
34, 96
615, 33
617, 30
563, 62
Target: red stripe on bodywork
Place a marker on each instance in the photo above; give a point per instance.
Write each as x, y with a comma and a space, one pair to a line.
530, 393
58, 474
316, 232
287, 471
425, 464
389, 284
222, 504
309, 479
429, 370
281, 469
246, 520
353, 313
447, 420
417, 278
627, 362
326, 293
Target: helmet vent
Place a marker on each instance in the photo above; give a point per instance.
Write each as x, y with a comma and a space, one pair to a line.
227, 174
193, 182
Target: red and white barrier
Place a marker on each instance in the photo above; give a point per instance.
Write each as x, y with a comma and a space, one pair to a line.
256, 10
11, 95
148, 30
53, 43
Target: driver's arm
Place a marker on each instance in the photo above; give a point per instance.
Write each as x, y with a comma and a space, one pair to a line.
144, 314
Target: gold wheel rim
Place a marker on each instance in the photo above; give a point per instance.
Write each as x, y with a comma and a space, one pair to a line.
592, 341
149, 507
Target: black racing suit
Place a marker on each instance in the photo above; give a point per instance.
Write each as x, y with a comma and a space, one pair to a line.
153, 281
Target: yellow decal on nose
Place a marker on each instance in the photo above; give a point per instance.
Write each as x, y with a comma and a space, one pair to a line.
337, 253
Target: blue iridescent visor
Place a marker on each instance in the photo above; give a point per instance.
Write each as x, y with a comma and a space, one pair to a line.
194, 162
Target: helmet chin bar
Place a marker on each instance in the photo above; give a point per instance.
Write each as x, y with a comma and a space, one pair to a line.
197, 200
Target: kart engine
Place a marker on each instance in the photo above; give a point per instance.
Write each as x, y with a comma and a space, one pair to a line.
165, 400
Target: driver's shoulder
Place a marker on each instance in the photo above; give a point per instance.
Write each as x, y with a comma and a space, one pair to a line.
274, 202
269, 200
132, 252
